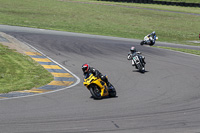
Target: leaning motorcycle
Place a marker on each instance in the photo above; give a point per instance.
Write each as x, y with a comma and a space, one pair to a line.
139, 64
148, 41
98, 88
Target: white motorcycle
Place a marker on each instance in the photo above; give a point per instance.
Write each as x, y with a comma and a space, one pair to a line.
138, 62
148, 40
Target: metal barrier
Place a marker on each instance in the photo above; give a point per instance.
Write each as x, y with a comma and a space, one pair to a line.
158, 2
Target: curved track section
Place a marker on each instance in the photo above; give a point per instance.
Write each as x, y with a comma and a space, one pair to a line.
164, 99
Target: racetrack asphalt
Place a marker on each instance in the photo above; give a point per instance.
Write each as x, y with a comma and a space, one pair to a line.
63, 78
166, 98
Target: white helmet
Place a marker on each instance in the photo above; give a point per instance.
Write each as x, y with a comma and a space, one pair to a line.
133, 49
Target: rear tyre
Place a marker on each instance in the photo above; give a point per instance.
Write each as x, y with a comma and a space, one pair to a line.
95, 92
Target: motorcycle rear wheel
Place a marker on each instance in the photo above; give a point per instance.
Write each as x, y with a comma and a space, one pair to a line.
95, 92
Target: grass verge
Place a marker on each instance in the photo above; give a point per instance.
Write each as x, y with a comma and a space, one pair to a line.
104, 18
190, 51
20, 72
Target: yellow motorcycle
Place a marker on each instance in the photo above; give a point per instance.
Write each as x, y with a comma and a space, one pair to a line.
98, 88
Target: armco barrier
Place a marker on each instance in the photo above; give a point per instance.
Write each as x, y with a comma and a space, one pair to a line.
158, 2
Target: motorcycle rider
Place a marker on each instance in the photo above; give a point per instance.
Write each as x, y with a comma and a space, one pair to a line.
152, 37
153, 34
133, 52
87, 70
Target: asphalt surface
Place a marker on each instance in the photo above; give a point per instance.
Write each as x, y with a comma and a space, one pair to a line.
165, 99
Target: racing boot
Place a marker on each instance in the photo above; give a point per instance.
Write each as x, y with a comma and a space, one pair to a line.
104, 78
132, 62
143, 59
109, 86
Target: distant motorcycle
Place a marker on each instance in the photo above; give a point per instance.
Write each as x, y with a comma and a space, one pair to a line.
139, 64
148, 40
98, 88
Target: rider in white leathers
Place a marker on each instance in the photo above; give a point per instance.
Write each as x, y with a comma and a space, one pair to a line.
151, 37
133, 52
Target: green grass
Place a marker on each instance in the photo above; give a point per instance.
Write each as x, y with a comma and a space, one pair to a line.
103, 19
191, 51
129, 20
20, 72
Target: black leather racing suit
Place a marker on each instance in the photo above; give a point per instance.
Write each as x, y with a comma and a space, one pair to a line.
96, 73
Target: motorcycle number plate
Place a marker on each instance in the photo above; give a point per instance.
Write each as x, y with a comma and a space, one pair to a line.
136, 60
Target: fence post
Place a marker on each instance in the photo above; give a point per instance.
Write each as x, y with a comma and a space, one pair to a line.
199, 36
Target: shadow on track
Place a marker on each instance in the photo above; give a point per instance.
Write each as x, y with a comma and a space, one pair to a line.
106, 97
140, 71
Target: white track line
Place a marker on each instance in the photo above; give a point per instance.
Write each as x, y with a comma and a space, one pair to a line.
77, 82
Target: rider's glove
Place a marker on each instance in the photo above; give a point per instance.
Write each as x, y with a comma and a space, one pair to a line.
129, 57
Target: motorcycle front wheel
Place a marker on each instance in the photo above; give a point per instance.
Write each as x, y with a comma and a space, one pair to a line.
142, 70
151, 44
95, 92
